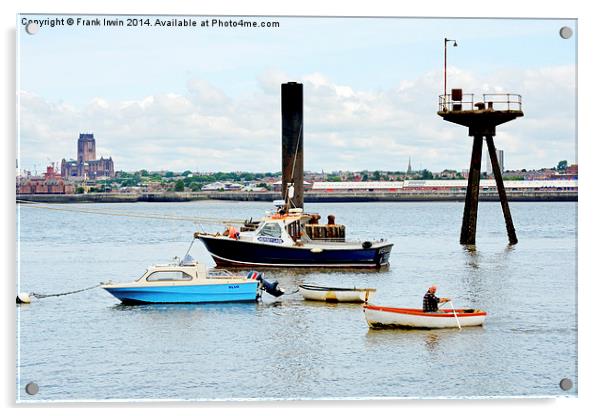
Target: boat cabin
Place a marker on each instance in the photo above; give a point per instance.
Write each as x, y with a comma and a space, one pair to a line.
181, 271
291, 227
277, 229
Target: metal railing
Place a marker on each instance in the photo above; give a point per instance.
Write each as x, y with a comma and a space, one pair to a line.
446, 103
504, 102
490, 102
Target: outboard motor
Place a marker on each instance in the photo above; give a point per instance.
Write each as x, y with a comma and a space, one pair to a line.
271, 287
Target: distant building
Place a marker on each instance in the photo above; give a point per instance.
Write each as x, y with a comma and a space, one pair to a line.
541, 174
222, 186
572, 170
392, 186
153, 186
254, 189
277, 186
447, 185
86, 163
51, 183
515, 174
215, 186
448, 174
500, 160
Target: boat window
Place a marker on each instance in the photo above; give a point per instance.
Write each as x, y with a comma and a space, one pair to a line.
220, 273
143, 274
294, 230
168, 275
271, 230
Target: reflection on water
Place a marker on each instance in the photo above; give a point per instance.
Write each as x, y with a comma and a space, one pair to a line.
472, 256
186, 308
431, 341
288, 347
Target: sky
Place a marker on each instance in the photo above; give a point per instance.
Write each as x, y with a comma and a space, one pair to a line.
208, 99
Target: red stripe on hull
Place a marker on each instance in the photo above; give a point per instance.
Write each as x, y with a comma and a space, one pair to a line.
447, 313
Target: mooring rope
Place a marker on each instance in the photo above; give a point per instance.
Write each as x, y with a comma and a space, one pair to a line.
190, 246
39, 205
42, 295
288, 199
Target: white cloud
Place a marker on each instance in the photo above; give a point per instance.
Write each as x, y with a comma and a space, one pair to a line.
271, 79
345, 127
206, 96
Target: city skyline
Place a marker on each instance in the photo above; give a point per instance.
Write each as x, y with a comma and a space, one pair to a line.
39, 168
209, 101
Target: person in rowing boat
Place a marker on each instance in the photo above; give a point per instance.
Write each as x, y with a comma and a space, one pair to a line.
430, 302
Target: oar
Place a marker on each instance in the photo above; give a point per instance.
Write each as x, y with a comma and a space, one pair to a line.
455, 315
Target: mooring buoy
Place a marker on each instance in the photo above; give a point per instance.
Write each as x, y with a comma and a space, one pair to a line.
23, 298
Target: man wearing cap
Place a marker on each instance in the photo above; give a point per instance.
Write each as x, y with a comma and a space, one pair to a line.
430, 302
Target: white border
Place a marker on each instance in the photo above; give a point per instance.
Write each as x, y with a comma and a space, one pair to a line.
589, 287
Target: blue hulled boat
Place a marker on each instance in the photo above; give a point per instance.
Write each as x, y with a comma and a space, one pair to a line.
188, 281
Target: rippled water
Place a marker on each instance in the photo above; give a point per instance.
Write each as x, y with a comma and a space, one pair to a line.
87, 346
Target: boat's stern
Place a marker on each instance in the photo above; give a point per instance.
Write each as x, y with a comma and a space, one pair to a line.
383, 253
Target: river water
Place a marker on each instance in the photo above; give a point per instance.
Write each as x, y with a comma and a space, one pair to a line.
87, 346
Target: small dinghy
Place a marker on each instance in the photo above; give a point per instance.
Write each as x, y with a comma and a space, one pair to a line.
387, 317
335, 294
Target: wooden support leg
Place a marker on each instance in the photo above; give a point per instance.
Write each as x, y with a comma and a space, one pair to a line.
471, 204
501, 191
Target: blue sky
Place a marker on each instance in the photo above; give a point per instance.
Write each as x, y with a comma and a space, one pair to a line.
208, 98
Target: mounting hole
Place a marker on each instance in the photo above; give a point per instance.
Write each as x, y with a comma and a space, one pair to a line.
566, 32
32, 388
566, 384
32, 28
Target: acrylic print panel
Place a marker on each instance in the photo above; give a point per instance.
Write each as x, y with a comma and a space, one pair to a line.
136, 132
